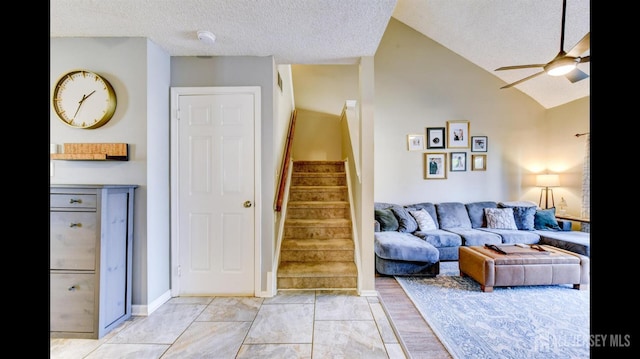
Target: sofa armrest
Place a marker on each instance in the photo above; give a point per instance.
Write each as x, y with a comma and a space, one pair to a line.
564, 224
376, 226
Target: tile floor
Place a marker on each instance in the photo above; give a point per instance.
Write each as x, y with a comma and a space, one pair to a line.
293, 324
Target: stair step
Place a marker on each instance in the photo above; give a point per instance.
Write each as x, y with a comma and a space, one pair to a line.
318, 193
322, 223
317, 269
317, 275
318, 166
306, 244
317, 204
313, 250
318, 179
318, 209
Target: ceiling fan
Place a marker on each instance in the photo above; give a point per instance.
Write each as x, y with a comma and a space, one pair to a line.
565, 63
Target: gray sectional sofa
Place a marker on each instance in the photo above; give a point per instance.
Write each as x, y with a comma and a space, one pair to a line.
407, 242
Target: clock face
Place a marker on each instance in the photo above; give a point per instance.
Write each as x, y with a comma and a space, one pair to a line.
83, 99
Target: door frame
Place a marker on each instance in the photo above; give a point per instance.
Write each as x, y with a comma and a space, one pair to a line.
176, 92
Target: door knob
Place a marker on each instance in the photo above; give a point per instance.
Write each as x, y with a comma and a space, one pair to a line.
247, 204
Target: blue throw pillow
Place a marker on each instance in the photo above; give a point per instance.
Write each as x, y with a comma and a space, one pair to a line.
523, 215
546, 219
387, 220
406, 222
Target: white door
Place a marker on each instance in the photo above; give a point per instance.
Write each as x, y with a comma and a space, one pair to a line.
213, 190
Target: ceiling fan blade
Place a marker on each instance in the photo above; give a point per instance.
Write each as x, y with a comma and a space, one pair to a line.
581, 46
585, 59
519, 67
522, 80
576, 75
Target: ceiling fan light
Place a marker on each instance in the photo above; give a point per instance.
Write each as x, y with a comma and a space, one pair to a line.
561, 66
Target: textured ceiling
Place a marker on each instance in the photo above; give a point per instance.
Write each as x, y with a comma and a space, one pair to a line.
489, 33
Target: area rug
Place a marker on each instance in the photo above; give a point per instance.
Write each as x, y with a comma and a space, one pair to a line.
510, 322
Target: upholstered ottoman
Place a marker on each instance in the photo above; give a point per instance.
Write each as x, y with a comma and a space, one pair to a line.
528, 267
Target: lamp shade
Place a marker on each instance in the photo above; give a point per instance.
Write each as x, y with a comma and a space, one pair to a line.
547, 180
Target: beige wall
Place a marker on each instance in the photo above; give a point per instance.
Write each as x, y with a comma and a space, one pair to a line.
320, 94
317, 137
421, 84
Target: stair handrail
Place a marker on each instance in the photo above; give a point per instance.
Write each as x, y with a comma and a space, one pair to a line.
284, 168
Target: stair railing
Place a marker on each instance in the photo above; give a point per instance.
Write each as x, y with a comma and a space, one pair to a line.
285, 162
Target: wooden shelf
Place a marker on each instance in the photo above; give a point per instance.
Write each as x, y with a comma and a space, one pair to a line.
93, 152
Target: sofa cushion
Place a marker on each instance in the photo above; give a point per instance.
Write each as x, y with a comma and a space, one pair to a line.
476, 237
440, 238
387, 220
425, 222
406, 222
453, 215
511, 236
546, 219
404, 246
500, 218
476, 212
523, 215
427, 206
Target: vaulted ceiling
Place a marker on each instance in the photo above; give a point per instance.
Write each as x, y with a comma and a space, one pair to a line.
488, 33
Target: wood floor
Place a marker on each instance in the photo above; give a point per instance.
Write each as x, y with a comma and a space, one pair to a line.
415, 335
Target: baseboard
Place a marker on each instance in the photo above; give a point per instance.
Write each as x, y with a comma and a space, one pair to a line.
368, 293
146, 310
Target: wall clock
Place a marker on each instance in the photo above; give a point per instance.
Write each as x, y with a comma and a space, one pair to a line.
84, 99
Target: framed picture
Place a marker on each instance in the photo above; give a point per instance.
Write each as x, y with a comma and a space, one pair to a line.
458, 161
435, 165
479, 144
415, 142
478, 162
435, 137
458, 134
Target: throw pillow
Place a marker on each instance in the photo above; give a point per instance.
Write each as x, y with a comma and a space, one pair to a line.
523, 215
476, 212
424, 219
406, 222
387, 220
500, 218
546, 219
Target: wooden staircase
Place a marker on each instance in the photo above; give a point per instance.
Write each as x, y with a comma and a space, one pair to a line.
317, 250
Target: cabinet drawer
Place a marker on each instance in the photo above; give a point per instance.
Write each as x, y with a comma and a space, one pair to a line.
72, 301
72, 200
73, 238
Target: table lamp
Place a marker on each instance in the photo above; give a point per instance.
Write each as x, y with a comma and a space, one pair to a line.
545, 181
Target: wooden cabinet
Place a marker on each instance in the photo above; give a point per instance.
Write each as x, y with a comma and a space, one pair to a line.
91, 241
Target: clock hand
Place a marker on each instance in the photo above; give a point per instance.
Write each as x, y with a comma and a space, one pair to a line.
84, 97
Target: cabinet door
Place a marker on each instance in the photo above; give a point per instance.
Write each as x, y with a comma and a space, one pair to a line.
73, 239
113, 271
72, 302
